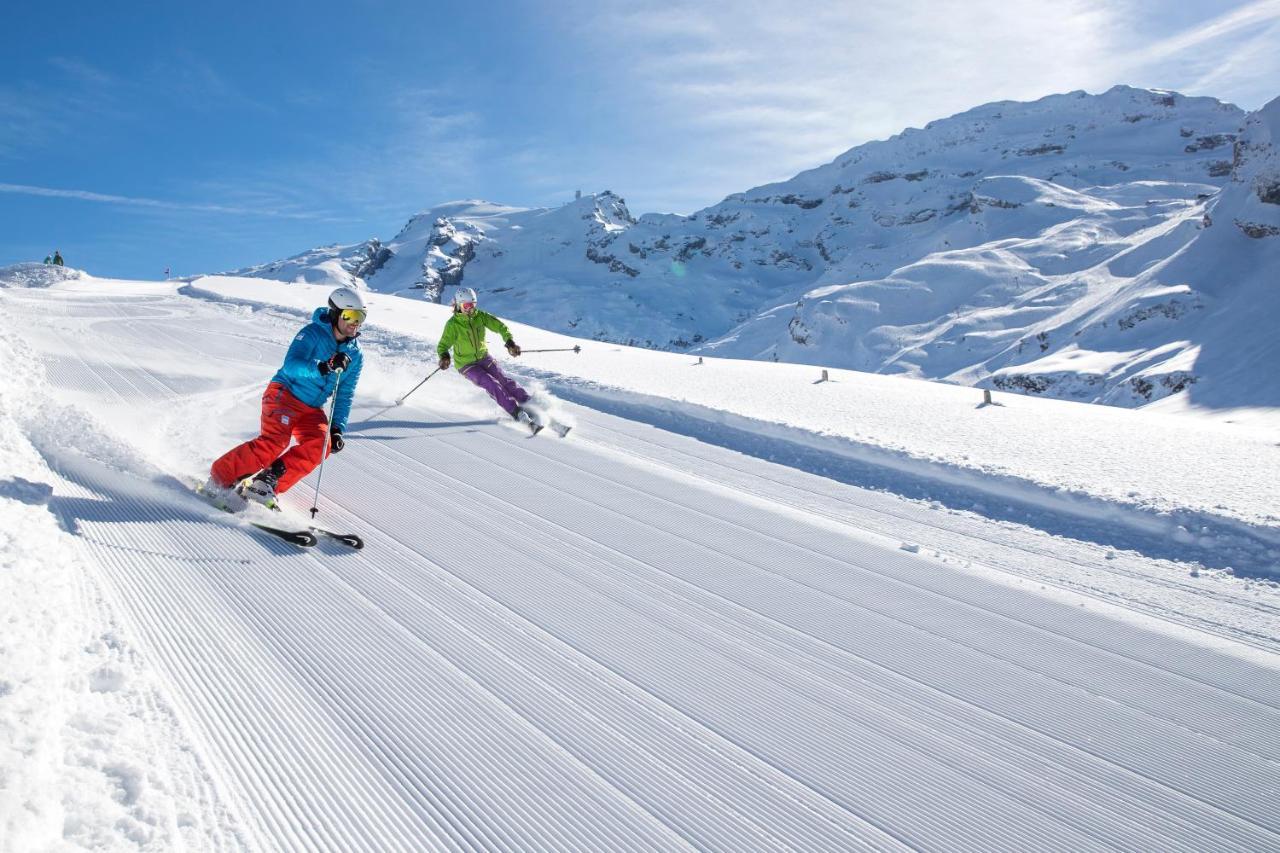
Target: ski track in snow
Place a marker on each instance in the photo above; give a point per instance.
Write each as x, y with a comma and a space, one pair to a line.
1153, 586
633, 640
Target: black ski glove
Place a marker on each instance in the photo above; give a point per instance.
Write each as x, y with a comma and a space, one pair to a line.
337, 361
445, 361
513, 347
336, 441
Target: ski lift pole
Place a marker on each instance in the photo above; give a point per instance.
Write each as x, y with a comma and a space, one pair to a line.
328, 427
566, 349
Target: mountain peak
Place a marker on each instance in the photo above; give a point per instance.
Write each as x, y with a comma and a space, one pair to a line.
1013, 244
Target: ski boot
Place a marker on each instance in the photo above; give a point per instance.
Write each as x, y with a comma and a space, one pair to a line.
525, 418
262, 488
224, 497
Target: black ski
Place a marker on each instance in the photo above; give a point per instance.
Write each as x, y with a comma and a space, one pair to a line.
303, 538
349, 539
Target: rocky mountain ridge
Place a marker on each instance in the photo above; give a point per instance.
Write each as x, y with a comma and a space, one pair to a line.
993, 247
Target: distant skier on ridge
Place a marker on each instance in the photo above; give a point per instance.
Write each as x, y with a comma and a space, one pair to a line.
323, 357
464, 333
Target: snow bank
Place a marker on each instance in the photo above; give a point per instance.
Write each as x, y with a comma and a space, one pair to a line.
91, 754
37, 275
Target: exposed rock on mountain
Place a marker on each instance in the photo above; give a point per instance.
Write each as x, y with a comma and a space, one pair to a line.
1024, 246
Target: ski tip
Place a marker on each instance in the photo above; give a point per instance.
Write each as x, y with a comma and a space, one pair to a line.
351, 540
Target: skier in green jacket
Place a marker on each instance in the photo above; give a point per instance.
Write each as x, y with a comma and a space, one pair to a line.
464, 333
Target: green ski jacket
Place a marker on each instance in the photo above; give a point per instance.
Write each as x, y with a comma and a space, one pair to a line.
465, 336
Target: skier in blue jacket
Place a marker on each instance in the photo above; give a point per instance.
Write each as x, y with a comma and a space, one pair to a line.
324, 358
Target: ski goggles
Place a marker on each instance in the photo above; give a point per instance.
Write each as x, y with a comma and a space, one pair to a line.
353, 316
467, 306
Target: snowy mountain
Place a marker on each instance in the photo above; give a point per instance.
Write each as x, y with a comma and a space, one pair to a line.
1052, 247
1120, 294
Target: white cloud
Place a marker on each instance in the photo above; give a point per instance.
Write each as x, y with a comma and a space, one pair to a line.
1248, 19
34, 113
160, 204
411, 149
1233, 56
747, 92
1253, 69
23, 123
422, 151
88, 75
775, 87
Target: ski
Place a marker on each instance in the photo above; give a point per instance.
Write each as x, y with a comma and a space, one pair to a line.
307, 529
349, 539
302, 537
537, 421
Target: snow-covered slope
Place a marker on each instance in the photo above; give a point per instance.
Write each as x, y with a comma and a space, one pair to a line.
1018, 246
630, 639
333, 265
1143, 290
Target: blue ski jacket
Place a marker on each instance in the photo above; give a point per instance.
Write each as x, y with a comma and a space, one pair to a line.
301, 375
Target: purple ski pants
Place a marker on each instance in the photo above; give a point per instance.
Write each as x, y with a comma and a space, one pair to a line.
505, 392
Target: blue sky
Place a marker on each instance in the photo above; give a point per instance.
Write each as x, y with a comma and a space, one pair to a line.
207, 137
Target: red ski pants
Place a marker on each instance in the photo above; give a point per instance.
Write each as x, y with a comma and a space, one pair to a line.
284, 417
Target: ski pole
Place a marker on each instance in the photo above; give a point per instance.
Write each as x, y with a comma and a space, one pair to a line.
566, 349
315, 504
400, 402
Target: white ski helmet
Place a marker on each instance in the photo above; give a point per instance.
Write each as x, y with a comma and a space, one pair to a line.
342, 299
462, 295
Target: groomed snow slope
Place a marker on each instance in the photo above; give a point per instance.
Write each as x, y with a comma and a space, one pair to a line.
629, 639
1185, 487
